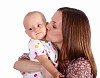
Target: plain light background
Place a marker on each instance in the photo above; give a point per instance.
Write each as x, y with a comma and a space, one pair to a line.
13, 40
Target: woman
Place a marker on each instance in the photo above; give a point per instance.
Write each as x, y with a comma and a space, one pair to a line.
69, 30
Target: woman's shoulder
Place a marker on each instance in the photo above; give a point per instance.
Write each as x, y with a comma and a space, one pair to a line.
79, 67
80, 61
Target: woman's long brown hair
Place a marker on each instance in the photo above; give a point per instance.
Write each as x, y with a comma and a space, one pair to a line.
76, 37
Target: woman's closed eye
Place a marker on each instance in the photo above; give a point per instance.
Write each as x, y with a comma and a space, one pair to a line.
53, 26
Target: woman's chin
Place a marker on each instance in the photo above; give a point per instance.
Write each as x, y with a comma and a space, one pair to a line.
47, 38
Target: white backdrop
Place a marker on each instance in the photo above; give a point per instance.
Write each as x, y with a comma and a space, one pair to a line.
13, 40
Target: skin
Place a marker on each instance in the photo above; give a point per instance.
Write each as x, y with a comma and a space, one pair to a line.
35, 28
54, 34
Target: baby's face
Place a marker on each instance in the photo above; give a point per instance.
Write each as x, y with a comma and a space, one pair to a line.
35, 27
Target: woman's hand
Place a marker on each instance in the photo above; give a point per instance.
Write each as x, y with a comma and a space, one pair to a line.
25, 56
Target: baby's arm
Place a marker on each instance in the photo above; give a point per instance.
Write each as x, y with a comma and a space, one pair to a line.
43, 59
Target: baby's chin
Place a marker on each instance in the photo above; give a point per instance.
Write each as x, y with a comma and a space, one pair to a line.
41, 37
34, 37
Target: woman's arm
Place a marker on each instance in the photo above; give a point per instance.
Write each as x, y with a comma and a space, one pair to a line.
27, 66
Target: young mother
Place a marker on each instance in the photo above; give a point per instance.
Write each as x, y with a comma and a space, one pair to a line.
69, 30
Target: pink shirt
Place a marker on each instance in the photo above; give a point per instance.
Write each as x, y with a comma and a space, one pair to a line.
79, 68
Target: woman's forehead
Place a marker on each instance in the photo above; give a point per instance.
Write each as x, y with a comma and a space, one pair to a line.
57, 16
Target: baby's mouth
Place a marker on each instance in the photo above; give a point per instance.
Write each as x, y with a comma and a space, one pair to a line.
38, 33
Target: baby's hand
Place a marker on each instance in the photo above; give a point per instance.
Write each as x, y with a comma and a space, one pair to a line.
45, 73
25, 56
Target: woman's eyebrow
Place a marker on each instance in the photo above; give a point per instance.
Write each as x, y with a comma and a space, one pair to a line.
53, 21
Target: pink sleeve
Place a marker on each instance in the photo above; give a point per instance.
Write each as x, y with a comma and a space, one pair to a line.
80, 68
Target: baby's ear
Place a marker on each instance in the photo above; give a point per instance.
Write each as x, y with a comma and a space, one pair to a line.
47, 23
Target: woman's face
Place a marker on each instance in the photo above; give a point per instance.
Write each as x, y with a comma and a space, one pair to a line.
54, 29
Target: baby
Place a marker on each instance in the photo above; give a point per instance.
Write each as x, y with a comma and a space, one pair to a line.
40, 50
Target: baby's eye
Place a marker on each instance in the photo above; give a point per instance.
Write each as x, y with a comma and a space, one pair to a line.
39, 25
30, 28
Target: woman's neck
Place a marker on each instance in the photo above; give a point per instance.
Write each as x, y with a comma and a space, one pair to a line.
59, 46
